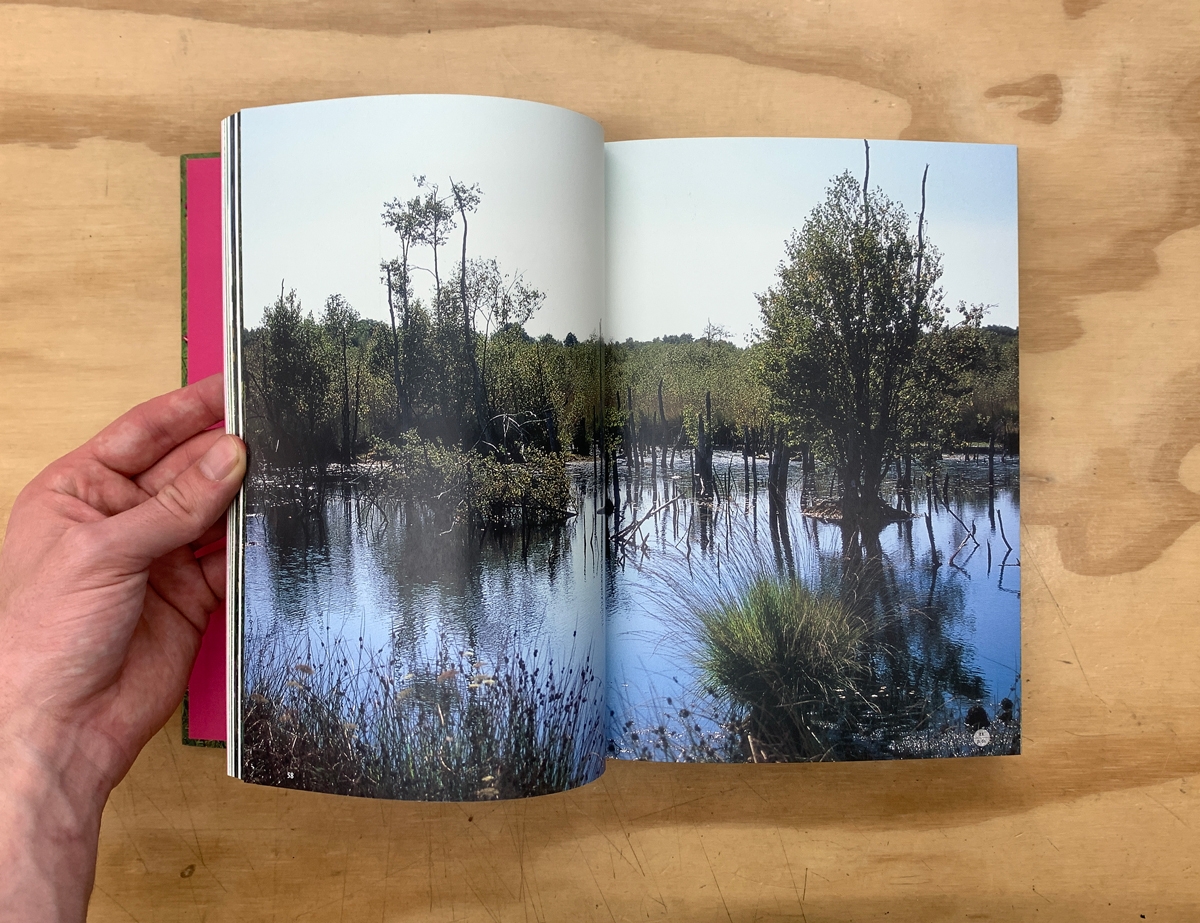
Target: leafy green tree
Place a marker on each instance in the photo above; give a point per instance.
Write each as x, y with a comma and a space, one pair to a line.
499, 305
937, 393
855, 337
287, 375
672, 379
409, 220
339, 321
993, 408
429, 379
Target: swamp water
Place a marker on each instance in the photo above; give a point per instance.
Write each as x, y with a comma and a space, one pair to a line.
357, 572
941, 639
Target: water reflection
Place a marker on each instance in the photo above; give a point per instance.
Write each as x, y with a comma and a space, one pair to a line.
339, 559
343, 559
942, 587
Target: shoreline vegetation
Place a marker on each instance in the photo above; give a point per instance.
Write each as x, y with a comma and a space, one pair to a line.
844, 408
333, 717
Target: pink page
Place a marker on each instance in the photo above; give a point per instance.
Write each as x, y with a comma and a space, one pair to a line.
205, 356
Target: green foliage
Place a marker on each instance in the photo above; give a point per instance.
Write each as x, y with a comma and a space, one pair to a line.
856, 360
857, 351
470, 487
993, 404
287, 368
688, 370
935, 397
789, 656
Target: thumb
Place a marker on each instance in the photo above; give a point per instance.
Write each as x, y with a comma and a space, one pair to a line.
184, 509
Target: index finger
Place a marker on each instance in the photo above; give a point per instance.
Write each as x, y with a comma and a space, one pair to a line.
148, 432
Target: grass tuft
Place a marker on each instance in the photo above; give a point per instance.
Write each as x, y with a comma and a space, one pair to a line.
789, 658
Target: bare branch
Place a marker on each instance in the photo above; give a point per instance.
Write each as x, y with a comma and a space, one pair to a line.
921, 239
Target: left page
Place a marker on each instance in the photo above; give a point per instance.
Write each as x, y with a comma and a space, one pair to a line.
414, 287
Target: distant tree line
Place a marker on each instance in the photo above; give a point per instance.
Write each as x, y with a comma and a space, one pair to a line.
661, 390
321, 387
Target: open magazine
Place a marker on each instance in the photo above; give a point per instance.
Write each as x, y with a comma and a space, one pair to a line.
696, 450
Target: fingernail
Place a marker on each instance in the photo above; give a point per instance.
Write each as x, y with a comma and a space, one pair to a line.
220, 459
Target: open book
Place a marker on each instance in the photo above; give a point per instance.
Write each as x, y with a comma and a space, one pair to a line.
563, 451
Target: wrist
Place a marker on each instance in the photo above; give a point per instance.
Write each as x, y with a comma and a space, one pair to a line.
51, 802
44, 744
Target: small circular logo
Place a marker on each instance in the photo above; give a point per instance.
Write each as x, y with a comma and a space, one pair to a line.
982, 737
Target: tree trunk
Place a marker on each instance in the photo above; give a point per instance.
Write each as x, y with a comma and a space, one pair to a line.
482, 417
746, 462
754, 463
406, 329
777, 472
616, 487
937, 559
345, 396
703, 453
662, 419
395, 353
631, 458
357, 404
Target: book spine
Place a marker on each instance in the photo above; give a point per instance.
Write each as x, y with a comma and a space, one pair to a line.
231, 222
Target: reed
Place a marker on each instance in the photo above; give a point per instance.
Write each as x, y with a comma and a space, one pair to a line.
338, 719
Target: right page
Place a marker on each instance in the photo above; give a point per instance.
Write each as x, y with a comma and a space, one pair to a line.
813, 434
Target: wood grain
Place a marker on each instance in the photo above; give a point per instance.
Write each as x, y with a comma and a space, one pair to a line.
1097, 820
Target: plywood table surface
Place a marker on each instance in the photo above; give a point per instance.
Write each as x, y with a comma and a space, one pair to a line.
1098, 820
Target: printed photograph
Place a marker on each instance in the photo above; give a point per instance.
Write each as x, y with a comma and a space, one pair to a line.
811, 451
420, 370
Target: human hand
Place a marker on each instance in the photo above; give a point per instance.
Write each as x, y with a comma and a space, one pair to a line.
102, 607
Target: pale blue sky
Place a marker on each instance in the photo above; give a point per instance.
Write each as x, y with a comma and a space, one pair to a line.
315, 177
696, 227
